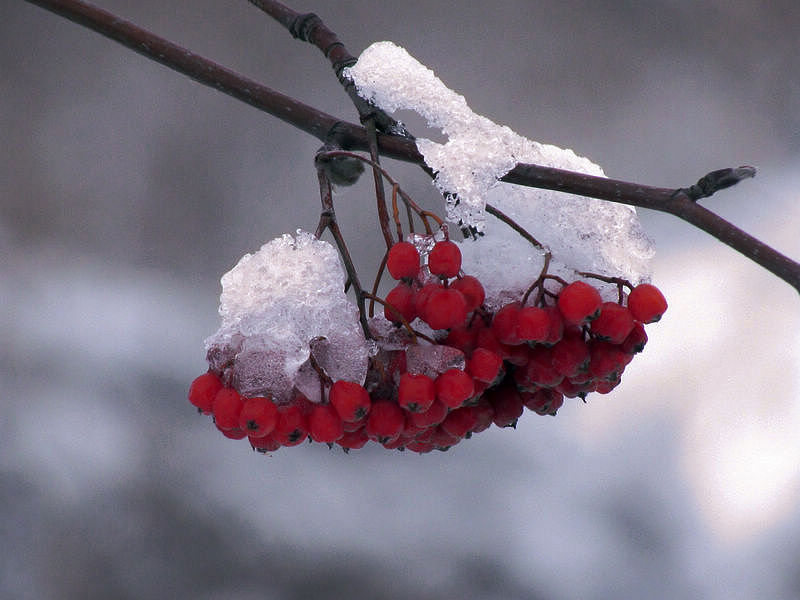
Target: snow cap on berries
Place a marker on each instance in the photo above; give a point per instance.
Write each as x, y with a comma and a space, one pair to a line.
274, 304
583, 234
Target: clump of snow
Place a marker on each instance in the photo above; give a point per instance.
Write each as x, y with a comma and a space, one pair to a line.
275, 304
583, 234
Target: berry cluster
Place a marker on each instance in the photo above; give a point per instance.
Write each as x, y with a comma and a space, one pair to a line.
482, 368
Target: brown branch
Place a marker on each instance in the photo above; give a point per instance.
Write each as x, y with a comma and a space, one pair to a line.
354, 137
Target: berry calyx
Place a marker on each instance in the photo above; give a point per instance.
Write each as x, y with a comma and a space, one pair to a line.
646, 303
402, 261
579, 302
445, 259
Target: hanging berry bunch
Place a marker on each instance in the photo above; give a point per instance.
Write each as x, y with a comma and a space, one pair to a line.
295, 359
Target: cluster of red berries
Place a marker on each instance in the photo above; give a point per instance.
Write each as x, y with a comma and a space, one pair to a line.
499, 364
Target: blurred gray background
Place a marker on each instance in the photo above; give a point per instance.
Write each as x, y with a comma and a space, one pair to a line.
126, 190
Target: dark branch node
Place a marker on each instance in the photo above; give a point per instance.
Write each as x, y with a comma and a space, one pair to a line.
717, 180
303, 25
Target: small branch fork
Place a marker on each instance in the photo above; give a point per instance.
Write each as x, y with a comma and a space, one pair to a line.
382, 138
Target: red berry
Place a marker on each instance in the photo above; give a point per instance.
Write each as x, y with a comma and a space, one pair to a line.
540, 370
291, 427
352, 440
226, 408
607, 360
400, 303
433, 416
265, 444
202, 392
570, 355
415, 393
422, 296
533, 324
441, 439
579, 302
403, 260
544, 402
507, 404
505, 324
385, 421
445, 259
233, 434
258, 417
636, 340
460, 421
614, 323
445, 308
454, 387
472, 289
350, 400
324, 424
484, 365
646, 303
462, 338
556, 325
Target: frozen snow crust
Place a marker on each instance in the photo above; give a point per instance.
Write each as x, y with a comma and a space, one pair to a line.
583, 234
473, 334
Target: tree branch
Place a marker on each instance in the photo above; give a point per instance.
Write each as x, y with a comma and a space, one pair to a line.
680, 202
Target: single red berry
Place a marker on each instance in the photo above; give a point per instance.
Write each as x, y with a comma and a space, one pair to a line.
472, 289
226, 408
233, 434
462, 338
607, 360
422, 295
258, 417
505, 324
507, 404
533, 324
459, 422
454, 387
445, 259
324, 424
442, 439
433, 416
292, 425
202, 392
614, 323
484, 365
416, 393
636, 340
264, 444
484, 413
353, 440
544, 402
385, 421
350, 400
579, 302
445, 308
403, 261
556, 325
540, 372
570, 355
400, 303
647, 303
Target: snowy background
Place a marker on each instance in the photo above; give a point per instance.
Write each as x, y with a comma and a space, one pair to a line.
126, 190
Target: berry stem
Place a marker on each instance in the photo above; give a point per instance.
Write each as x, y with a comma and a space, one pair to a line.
327, 220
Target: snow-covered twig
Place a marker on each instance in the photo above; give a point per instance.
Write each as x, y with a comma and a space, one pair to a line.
680, 202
